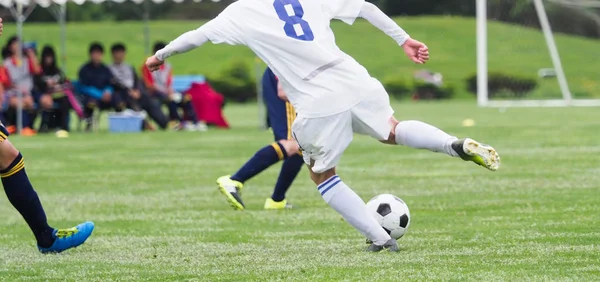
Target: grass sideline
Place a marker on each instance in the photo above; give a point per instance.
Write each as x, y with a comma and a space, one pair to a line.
452, 41
160, 217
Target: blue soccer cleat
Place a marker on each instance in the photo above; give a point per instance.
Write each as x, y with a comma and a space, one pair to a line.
69, 238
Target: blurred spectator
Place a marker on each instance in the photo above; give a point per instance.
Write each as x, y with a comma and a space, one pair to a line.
20, 71
130, 87
95, 83
53, 101
160, 86
4, 82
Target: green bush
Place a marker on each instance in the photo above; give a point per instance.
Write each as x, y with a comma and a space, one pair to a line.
397, 87
504, 85
235, 82
428, 91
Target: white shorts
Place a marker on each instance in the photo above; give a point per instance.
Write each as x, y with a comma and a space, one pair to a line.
324, 140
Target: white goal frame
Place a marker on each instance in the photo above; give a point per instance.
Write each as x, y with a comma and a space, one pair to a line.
482, 65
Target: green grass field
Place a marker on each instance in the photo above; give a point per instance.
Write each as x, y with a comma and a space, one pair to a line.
512, 49
160, 217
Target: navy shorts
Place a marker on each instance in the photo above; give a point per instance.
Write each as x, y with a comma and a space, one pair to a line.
280, 114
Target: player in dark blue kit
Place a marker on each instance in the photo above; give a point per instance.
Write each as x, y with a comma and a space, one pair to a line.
23, 197
280, 116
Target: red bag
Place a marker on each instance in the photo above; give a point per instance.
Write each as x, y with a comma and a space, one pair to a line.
208, 104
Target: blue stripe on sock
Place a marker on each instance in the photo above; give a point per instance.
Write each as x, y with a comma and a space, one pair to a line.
330, 186
327, 182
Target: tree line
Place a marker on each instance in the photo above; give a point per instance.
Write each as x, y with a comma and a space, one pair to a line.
578, 21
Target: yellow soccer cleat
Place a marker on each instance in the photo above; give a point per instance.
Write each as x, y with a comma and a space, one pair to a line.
272, 205
481, 154
231, 189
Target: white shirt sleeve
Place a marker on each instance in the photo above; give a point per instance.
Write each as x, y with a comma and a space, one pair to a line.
344, 10
219, 30
223, 29
183, 43
380, 20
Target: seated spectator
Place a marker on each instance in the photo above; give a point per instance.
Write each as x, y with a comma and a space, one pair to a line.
130, 88
20, 71
95, 83
53, 101
160, 86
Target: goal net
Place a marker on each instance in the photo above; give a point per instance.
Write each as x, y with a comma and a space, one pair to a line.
535, 53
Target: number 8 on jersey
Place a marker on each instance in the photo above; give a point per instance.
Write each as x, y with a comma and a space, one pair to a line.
291, 12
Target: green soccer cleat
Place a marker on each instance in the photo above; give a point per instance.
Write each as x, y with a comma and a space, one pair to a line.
481, 154
272, 205
231, 189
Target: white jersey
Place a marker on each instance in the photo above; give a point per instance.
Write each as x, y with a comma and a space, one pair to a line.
294, 38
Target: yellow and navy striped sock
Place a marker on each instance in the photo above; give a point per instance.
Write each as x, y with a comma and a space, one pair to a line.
264, 158
23, 197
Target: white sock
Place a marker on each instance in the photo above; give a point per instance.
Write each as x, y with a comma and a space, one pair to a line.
342, 199
419, 135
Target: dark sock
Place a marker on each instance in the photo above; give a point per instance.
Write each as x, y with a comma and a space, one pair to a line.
189, 113
263, 159
88, 112
45, 124
21, 195
11, 116
26, 118
31, 116
289, 170
173, 111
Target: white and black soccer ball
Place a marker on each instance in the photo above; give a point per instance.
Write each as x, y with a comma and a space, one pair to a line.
392, 214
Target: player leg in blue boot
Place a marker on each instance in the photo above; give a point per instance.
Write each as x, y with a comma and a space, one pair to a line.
65, 239
23, 197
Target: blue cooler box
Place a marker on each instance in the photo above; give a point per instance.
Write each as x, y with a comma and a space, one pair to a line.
125, 123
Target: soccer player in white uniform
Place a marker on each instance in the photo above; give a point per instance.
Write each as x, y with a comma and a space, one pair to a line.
333, 94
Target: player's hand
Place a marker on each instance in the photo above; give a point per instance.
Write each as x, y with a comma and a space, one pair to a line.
1, 26
106, 97
135, 94
416, 51
154, 63
30, 53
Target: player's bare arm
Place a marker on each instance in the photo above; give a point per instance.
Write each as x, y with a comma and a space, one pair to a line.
182, 44
415, 50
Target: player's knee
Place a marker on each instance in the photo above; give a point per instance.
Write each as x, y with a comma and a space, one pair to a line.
290, 146
393, 122
28, 102
8, 153
13, 101
46, 102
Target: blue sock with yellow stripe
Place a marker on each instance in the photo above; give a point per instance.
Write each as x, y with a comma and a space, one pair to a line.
263, 159
23, 197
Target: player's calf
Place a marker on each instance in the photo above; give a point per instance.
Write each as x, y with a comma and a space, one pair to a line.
348, 204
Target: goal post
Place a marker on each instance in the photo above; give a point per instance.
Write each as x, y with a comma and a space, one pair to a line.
483, 68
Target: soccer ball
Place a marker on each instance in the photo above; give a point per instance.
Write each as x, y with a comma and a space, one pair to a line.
391, 213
